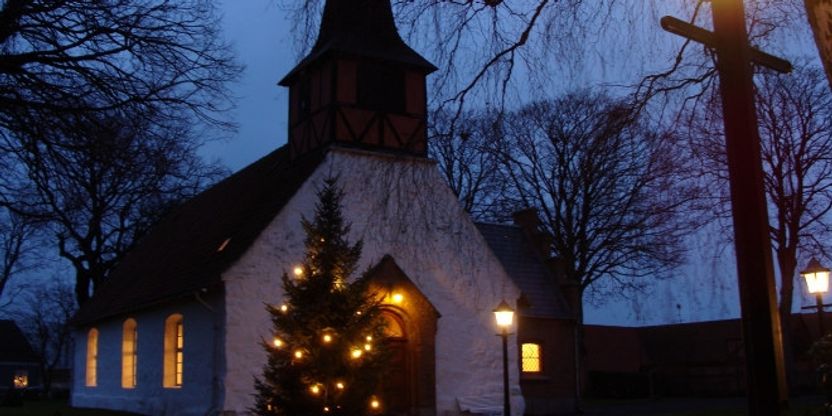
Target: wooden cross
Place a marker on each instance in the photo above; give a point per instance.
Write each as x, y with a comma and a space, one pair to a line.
762, 339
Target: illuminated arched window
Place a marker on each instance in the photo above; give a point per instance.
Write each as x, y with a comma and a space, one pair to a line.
174, 351
129, 338
531, 357
92, 358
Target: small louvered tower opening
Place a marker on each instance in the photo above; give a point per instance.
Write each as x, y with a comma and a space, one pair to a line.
360, 86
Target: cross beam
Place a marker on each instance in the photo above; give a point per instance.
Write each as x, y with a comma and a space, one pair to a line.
709, 39
762, 338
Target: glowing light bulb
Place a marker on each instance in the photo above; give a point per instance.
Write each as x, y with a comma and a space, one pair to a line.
339, 385
298, 354
375, 404
369, 338
277, 342
298, 271
356, 353
326, 409
315, 389
368, 347
284, 308
327, 338
398, 297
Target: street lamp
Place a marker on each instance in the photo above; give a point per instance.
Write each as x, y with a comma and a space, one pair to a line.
817, 280
505, 317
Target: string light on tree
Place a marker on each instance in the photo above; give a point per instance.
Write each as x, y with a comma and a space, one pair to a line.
375, 403
324, 363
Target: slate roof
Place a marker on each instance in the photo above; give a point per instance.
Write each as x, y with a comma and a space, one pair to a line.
360, 28
527, 270
182, 254
14, 347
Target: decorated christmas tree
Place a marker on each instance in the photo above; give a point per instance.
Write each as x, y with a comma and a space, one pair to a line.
325, 357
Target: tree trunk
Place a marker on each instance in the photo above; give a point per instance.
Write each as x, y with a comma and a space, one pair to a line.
82, 287
787, 263
580, 351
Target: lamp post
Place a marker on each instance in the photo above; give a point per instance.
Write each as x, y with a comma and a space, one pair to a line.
817, 281
505, 317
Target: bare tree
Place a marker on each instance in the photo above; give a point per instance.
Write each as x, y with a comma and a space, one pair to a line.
65, 58
101, 105
795, 115
45, 321
16, 251
466, 161
504, 51
98, 187
608, 188
690, 77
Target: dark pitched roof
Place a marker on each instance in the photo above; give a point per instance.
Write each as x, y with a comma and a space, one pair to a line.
190, 248
527, 270
15, 347
363, 28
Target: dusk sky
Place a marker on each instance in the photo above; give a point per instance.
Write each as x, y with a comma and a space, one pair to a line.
259, 32
261, 38
704, 289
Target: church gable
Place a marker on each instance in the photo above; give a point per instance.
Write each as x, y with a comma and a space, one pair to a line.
398, 206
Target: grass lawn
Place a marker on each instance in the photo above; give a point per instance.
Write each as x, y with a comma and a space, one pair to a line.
55, 408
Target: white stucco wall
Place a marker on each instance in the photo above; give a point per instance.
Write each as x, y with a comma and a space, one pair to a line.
402, 207
199, 394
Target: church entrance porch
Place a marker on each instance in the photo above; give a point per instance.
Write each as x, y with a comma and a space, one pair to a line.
409, 386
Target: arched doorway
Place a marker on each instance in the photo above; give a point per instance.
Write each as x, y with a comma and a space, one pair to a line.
398, 386
409, 387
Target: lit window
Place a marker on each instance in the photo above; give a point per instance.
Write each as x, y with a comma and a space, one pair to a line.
174, 351
530, 358
21, 379
92, 358
129, 357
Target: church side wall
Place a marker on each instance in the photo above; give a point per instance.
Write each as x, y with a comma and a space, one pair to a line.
398, 206
201, 331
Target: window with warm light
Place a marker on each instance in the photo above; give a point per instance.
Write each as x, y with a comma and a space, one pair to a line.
174, 352
21, 379
92, 358
129, 358
530, 358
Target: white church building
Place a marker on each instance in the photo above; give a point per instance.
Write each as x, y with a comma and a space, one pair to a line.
177, 328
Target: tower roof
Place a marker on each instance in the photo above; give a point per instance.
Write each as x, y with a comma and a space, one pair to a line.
361, 28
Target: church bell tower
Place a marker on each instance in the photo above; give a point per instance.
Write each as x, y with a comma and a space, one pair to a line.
360, 86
